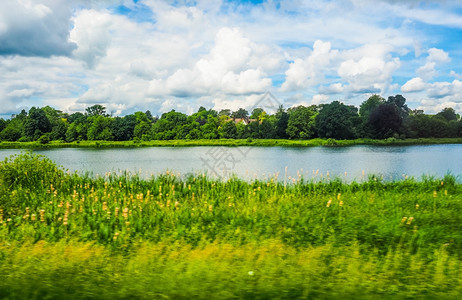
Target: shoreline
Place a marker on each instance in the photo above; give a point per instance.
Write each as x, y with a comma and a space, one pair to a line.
231, 143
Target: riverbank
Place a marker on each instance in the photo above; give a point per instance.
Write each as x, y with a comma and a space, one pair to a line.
229, 143
72, 236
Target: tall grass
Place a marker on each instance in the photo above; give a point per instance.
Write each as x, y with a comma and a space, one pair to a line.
229, 142
67, 235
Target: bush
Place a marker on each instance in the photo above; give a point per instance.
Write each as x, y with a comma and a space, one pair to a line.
29, 172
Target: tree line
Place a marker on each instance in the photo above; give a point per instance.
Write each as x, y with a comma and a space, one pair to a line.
377, 118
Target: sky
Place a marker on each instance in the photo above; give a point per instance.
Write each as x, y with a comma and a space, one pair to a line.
138, 55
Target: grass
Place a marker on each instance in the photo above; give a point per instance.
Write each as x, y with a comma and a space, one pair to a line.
229, 142
119, 236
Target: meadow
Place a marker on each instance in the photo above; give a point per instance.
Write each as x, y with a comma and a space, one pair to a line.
229, 143
74, 236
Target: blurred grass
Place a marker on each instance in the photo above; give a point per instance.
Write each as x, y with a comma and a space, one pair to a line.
68, 236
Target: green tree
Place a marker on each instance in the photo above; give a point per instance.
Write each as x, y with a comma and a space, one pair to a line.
100, 128
282, 120
10, 133
143, 125
225, 112
400, 102
368, 106
123, 128
240, 114
267, 129
2, 124
96, 110
337, 120
169, 125
36, 124
448, 114
253, 129
256, 113
301, 124
229, 130
386, 120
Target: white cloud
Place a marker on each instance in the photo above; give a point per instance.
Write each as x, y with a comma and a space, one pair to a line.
92, 36
435, 57
368, 69
35, 28
414, 85
225, 69
218, 53
307, 72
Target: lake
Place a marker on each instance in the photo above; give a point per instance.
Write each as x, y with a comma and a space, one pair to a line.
350, 163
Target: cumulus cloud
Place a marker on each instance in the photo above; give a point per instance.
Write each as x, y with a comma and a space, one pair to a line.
227, 69
35, 28
308, 71
368, 69
91, 35
414, 85
435, 57
221, 54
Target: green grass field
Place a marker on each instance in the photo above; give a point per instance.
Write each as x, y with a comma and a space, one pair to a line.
229, 142
69, 236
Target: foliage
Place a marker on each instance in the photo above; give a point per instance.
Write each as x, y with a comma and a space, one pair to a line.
120, 236
386, 120
377, 118
336, 120
301, 123
26, 172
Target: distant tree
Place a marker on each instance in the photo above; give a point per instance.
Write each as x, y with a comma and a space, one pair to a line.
253, 130
78, 127
368, 106
77, 116
100, 128
96, 110
337, 120
36, 124
143, 126
169, 125
210, 128
365, 129
123, 128
256, 113
150, 116
301, 123
10, 133
282, 120
240, 114
225, 112
229, 130
386, 120
59, 129
400, 102
267, 129
448, 114
2, 124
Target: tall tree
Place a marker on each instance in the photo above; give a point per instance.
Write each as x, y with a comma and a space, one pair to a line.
337, 120
240, 114
282, 120
386, 120
36, 124
448, 113
96, 110
301, 124
400, 102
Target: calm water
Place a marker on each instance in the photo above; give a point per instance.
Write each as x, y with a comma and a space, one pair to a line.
392, 162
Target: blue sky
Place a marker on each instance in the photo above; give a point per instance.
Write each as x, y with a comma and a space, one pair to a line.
162, 55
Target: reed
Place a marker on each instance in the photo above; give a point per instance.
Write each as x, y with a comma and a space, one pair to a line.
117, 235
